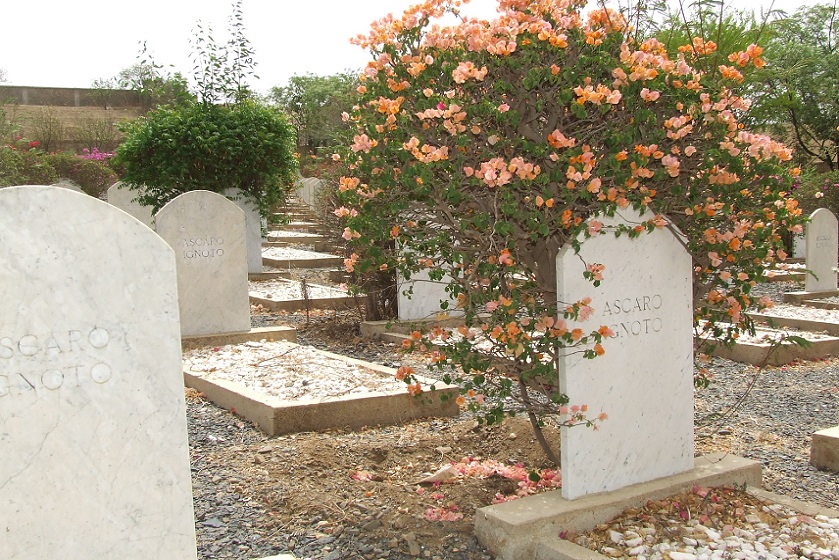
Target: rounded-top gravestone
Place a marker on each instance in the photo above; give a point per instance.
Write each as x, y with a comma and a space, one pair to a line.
822, 246
94, 458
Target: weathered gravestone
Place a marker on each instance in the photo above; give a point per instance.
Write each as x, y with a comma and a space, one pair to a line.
207, 232
124, 198
253, 228
799, 246
644, 381
94, 460
308, 189
423, 300
822, 247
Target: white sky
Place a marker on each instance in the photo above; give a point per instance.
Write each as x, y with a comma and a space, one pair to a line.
69, 44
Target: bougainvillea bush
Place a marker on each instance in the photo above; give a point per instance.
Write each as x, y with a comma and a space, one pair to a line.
482, 147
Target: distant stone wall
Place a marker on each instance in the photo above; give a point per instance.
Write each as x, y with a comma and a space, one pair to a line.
68, 97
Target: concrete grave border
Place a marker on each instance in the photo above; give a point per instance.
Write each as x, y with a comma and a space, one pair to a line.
321, 262
275, 416
517, 530
299, 304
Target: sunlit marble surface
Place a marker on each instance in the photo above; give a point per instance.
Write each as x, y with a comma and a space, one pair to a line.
207, 232
94, 460
644, 381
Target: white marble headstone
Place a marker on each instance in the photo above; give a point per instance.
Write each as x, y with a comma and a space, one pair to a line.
308, 189
799, 246
124, 198
207, 232
253, 227
424, 301
644, 381
94, 458
822, 246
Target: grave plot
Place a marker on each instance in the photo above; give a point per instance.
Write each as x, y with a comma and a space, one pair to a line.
284, 387
786, 272
285, 258
296, 237
802, 317
291, 295
296, 225
830, 302
767, 346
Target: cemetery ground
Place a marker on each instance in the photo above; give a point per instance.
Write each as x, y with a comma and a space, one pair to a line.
354, 494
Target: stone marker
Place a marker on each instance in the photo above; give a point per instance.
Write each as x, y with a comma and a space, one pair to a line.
799, 246
644, 381
308, 189
424, 301
207, 232
253, 228
94, 459
123, 198
822, 247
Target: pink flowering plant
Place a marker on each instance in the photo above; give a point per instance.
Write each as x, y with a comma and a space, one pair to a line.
482, 147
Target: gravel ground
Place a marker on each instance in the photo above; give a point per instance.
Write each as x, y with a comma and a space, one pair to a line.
768, 415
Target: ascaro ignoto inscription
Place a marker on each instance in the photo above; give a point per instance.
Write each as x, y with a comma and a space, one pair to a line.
634, 316
203, 247
823, 241
38, 364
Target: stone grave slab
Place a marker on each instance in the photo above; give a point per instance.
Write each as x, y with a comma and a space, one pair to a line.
123, 198
93, 438
244, 389
644, 381
287, 295
822, 247
207, 232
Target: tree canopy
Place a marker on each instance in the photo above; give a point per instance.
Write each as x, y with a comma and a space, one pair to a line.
315, 105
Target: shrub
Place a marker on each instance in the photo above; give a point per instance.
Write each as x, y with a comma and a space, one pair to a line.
212, 147
817, 190
47, 129
95, 134
11, 167
483, 148
94, 177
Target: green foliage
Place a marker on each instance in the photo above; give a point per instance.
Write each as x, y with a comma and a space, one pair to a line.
731, 30
11, 167
156, 86
9, 126
48, 129
212, 147
817, 190
25, 164
94, 177
481, 150
800, 96
221, 71
101, 133
315, 105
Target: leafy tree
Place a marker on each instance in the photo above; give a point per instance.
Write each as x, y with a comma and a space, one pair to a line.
800, 98
3, 76
157, 87
483, 148
221, 71
315, 105
224, 139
